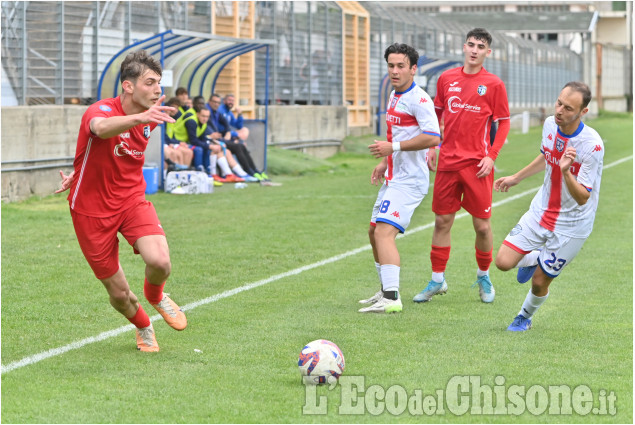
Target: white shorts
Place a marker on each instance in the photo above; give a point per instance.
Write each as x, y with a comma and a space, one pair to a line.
395, 206
556, 250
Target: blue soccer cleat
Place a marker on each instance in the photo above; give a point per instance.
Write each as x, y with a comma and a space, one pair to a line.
520, 324
249, 179
485, 289
431, 290
525, 273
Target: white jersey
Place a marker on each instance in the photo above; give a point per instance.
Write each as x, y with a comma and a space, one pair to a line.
409, 114
553, 206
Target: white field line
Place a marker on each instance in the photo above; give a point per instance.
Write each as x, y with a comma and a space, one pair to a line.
118, 331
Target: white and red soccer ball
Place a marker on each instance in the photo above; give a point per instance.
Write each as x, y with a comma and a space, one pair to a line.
321, 362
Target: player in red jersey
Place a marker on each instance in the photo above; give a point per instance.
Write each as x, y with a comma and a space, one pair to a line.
468, 100
107, 194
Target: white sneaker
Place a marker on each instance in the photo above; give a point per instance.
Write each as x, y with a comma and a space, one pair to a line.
384, 305
372, 300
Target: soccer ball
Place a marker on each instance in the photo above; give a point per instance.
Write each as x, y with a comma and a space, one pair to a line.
321, 362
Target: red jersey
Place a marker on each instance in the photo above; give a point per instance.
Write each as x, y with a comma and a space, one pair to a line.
108, 172
470, 103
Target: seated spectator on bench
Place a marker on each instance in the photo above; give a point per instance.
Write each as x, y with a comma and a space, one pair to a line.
237, 128
177, 154
184, 97
236, 146
204, 146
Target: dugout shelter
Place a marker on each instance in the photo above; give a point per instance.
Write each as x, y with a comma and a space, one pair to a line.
194, 61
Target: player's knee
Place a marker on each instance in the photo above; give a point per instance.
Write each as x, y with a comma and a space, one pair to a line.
161, 264
503, 264
442, 223
482, 228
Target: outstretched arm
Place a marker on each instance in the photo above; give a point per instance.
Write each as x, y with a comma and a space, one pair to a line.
504, 183
112, 126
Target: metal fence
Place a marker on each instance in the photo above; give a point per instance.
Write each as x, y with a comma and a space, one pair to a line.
54, 52
307, 58
615, 76
532, 71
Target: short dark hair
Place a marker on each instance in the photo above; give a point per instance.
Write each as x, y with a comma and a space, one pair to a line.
136, 63
181, 90
173, 101
480, 34
198, 108
581, 88
404, 49
214, 95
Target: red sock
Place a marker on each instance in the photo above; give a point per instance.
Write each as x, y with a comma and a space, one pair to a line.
153, 293
140, 319
483, 259
439, 256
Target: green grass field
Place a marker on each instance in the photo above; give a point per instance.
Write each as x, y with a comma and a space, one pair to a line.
299, 255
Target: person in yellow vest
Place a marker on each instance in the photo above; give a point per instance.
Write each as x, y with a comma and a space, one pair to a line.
199, 137
177, 153
184, 97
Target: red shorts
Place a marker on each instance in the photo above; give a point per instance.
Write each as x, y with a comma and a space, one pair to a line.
98, 240
461, 188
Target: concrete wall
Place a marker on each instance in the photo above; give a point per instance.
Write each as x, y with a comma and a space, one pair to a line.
314, 130
50, 132
612, 27
37, 133
306, 123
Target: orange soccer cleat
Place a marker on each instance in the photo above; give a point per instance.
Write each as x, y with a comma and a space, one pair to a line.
232, 178
146, 340
171, 313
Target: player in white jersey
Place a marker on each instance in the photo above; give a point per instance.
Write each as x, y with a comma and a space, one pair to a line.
412, 128
561, 215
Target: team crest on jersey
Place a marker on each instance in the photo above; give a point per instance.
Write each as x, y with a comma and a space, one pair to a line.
393, 102
146, 131
559, 144
105, 108
481, 90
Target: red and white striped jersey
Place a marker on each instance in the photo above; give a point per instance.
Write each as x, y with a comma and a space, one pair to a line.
553, 206
409, 114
